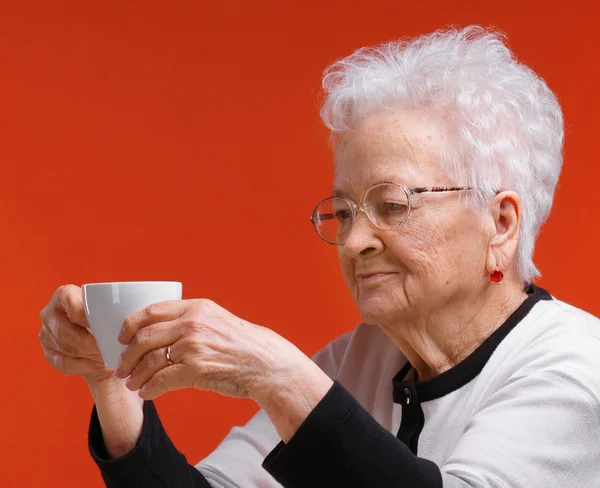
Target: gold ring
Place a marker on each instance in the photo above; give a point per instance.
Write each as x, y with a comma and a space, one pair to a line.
169, 361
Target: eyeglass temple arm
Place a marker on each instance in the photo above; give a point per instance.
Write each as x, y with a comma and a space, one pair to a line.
428, 189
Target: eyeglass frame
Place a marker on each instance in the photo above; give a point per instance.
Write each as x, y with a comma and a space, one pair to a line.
361, 206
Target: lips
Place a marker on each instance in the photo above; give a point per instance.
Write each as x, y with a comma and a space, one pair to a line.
372, 273
372, 276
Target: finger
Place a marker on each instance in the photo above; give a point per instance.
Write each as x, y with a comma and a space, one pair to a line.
69, 299
48, 342
149, 365
46, 338
172, 378
69, 338
71, 366
157, 312
147, 339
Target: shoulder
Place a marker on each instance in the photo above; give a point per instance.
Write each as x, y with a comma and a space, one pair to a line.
554, 322
575, 318
556, 339
575, 341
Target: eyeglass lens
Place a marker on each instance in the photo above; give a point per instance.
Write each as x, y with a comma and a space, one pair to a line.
386, 206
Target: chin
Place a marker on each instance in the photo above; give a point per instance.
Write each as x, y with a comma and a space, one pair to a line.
374, 312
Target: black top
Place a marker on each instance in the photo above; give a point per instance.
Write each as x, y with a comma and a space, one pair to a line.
339, 444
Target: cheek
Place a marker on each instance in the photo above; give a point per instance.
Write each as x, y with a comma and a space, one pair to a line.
348, 268
425, 251
410, 248
442, 254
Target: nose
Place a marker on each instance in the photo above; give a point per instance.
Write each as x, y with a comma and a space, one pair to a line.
363, 238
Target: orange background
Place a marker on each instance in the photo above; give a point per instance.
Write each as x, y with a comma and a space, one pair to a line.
153, 140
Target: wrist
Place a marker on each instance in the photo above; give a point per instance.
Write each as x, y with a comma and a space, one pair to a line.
110, 388
290, 398
120, 413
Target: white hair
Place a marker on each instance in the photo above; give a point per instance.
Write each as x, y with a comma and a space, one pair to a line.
503, 126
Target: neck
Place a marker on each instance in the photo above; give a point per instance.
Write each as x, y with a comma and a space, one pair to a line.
443, 338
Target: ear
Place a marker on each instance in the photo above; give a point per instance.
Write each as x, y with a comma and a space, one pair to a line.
506, 211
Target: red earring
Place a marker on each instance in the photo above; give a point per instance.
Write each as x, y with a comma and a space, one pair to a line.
496, 277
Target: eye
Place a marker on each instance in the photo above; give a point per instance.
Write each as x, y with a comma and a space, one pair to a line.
393, 207
343, 215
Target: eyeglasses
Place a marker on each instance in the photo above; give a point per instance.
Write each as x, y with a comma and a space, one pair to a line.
386, 205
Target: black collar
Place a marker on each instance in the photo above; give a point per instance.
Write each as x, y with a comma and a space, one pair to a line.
471, 366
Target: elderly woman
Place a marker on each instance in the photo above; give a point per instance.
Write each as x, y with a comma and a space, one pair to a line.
463, 372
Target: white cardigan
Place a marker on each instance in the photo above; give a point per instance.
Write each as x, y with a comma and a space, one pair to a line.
523, 411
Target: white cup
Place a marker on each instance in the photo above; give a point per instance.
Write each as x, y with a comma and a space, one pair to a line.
107, 305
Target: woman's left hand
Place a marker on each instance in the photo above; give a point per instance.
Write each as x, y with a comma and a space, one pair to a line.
211, 349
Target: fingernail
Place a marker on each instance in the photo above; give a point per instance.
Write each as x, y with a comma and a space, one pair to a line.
128, 383
119, 372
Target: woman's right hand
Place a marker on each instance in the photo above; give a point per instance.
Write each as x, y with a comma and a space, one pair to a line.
68, 345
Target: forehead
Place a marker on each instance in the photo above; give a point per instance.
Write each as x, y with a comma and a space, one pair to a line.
398, 146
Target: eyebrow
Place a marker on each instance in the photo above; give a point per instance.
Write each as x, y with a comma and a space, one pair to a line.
339, 193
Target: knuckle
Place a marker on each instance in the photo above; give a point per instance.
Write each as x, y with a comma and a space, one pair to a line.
142, 338
67, 298
154, 360
127, 324
153, 310
70, 288
196, 307
193, 346
71, 301
206, 304
60, 290
193, 324
195, 335
61, 294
